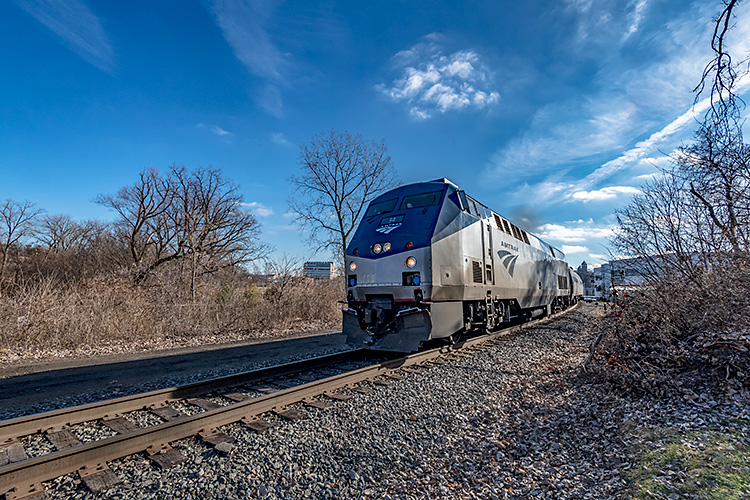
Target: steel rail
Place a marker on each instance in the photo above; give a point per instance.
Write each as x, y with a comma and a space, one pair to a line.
56, 419
28, 474
34, 471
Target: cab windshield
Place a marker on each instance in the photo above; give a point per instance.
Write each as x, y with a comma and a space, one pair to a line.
421, 200
380, 207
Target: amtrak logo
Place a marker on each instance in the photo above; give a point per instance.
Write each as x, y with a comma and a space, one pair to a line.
508, 260
387, 229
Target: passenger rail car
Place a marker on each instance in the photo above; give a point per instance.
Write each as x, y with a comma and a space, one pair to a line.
429, 262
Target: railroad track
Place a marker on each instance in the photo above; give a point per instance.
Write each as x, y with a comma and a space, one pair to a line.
244, 397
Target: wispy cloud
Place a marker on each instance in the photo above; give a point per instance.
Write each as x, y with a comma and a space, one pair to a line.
243, 23
643, 149
571, 249
574, 233
78, 28
605, 193
218, 130
430, 81
258, 209
279, 138
597, 21
558, 136
624, 103
215, 129
638, 9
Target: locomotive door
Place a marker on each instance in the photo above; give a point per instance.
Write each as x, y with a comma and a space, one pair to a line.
488, 258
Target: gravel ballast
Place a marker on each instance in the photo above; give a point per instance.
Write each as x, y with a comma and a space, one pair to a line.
514, 420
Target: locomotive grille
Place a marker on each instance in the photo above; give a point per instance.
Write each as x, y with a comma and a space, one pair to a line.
476, 269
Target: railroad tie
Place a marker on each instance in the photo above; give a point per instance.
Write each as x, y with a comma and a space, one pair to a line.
338, 396
317, 403
98, 478
165, 456
11, 452
222, 443
412, 369
63, 439
237, 397
119, 424
204, 403
289, 413
30, 492
257, 424
166, 412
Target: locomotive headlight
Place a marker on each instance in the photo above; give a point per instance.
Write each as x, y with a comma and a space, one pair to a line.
377, 248
386, 247
352, 266
410, 262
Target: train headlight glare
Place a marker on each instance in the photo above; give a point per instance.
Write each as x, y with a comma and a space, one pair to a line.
377, 248
410, 262
386, 247
352, 266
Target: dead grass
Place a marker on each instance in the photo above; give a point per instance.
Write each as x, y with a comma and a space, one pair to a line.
114, 315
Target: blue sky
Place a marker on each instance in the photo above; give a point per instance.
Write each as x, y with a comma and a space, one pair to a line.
552, 113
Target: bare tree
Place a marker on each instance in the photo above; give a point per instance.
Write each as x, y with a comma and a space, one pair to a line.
210, 226
60, 233
719, 182
141, 207
191, 217
719, 78
340, 174
16, 222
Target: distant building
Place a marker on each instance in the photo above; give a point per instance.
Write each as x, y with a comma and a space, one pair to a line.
587, 276
318, 270
623, 275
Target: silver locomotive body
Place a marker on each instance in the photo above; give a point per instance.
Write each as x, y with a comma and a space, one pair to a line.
428, 262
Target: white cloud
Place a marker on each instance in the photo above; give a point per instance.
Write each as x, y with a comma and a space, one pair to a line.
558, 136
573, 234
570, 249
218, 130
242, 24
258, 209
647, 177
77, 26
648, 146
432, 82
605, 193
279, 138
638, 9
624, 102
214, 129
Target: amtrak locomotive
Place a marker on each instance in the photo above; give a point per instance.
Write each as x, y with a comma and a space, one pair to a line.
429, 262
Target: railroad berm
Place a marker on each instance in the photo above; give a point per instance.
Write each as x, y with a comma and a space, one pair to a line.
518, 419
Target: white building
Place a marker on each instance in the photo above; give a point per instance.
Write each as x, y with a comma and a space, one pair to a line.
318, 270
